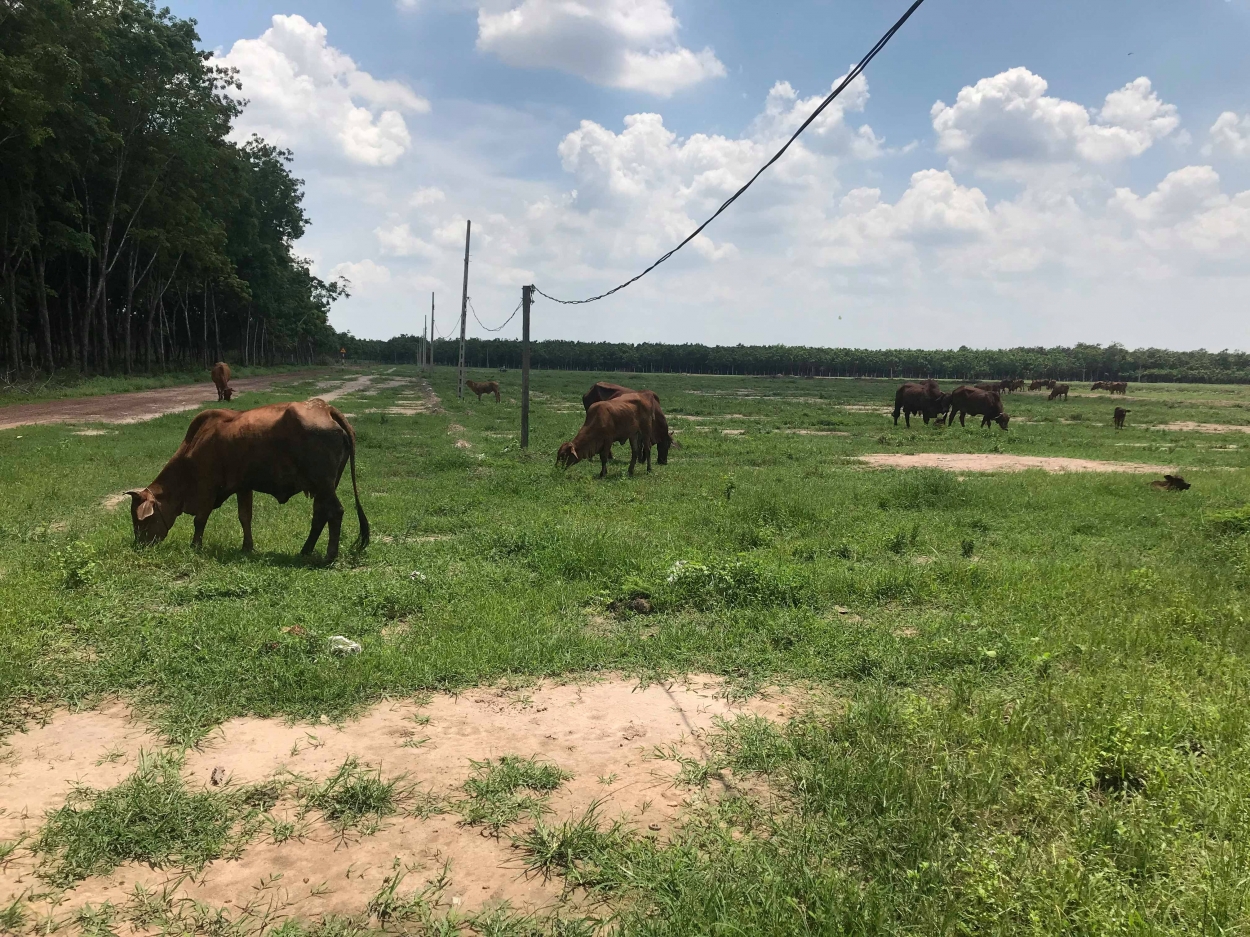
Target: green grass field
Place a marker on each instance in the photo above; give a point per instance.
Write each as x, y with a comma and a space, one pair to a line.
1032, 717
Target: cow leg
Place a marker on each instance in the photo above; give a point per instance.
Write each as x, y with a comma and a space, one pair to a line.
604, 454
961, 418
197, 538
906, 419
633, 456
319, 519
334, 508
245, 518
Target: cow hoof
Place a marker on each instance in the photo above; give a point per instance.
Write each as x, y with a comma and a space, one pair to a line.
247, 548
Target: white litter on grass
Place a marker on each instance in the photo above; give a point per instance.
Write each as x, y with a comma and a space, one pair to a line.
343, 646
417, 576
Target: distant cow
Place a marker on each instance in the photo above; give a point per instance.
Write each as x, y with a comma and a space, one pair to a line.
992, 387
986, 404
1117, 387
1013, 385
1120, 414
280, 449
1171, 483
1058, 390
661, 435
627, 418
486, 387
925, 398
221, 377
1098, 385
1044, 383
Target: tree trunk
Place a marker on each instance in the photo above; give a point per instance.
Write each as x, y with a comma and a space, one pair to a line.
15, 349
45, 323
86, 321
128, 309
147, 332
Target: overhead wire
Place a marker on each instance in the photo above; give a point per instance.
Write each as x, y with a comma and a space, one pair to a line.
850, 76
506, 321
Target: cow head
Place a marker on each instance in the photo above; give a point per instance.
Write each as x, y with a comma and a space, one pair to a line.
567, 456
228, 392
662, 446
1002, 420
146, 517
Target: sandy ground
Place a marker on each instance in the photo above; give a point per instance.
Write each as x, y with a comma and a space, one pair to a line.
1192, 427
138, 406
994, 462
616, 738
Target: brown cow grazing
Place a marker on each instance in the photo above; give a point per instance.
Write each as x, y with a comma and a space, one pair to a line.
1059, 390
221, 377
925, 398
627, 418
280, 449
1037, 385
661, 435
1120, 414
486, 387
1171, 483
1013, 385
986, 404
1099, 385
1117, 387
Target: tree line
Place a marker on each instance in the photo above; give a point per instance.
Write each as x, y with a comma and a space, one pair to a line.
1079, 362
133, 232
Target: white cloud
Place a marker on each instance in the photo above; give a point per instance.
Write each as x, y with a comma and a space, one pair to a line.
619, 43
429, 195
303, 92
1229, 135
1007, 123
399, 241
364, 276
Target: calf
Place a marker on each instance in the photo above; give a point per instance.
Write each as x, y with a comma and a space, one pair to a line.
280, 449
1120, 414
221, 377
986, 404
486, 387
925, 398
661, 435
627, 418
1058, 390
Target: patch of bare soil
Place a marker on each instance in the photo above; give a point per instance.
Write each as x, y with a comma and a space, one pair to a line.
866, 408
814, 432
996, 462
134, 407
619, 741
1192, 427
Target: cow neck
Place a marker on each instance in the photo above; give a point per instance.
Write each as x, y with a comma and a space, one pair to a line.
173, 486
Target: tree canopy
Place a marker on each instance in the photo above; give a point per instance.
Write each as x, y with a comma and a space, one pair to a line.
133, 229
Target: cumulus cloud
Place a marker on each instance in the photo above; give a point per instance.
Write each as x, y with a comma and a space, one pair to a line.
364, 276
399, 241
1008, 123
1229, 136
619, 43
302, 91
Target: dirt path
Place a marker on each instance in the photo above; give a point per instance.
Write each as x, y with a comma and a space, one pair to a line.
141, 405
993, 462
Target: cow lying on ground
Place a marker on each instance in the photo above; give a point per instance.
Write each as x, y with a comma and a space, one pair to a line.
1120, 414
627, 418
661, 435
1171, 483
1058, 390
280, 449
925, 398
486, 387
221, 377
986, 404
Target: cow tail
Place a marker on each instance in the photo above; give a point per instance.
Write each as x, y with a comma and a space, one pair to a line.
351, 454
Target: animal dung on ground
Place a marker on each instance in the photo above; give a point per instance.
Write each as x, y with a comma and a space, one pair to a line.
639, 604
218, 776
343, 646
1171, 483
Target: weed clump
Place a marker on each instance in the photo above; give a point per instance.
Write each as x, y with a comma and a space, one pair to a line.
495, 797
742, 581
355, 796
150, 817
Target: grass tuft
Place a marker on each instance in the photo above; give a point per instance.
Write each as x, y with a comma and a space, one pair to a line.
501, 791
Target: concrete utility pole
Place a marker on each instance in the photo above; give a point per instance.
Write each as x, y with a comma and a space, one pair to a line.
527, 295
430, 354
464, 307
425, 343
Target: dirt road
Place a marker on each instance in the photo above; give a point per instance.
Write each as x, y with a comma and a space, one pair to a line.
140, 405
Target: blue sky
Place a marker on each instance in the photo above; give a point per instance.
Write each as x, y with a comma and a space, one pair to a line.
1030, 208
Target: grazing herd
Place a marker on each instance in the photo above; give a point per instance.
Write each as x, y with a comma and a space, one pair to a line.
283, 449
983, 400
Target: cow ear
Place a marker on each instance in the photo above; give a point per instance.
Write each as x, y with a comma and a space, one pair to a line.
674, 442
146, 510
144, 502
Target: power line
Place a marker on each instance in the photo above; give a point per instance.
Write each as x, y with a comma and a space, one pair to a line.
506, 321
850, 76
